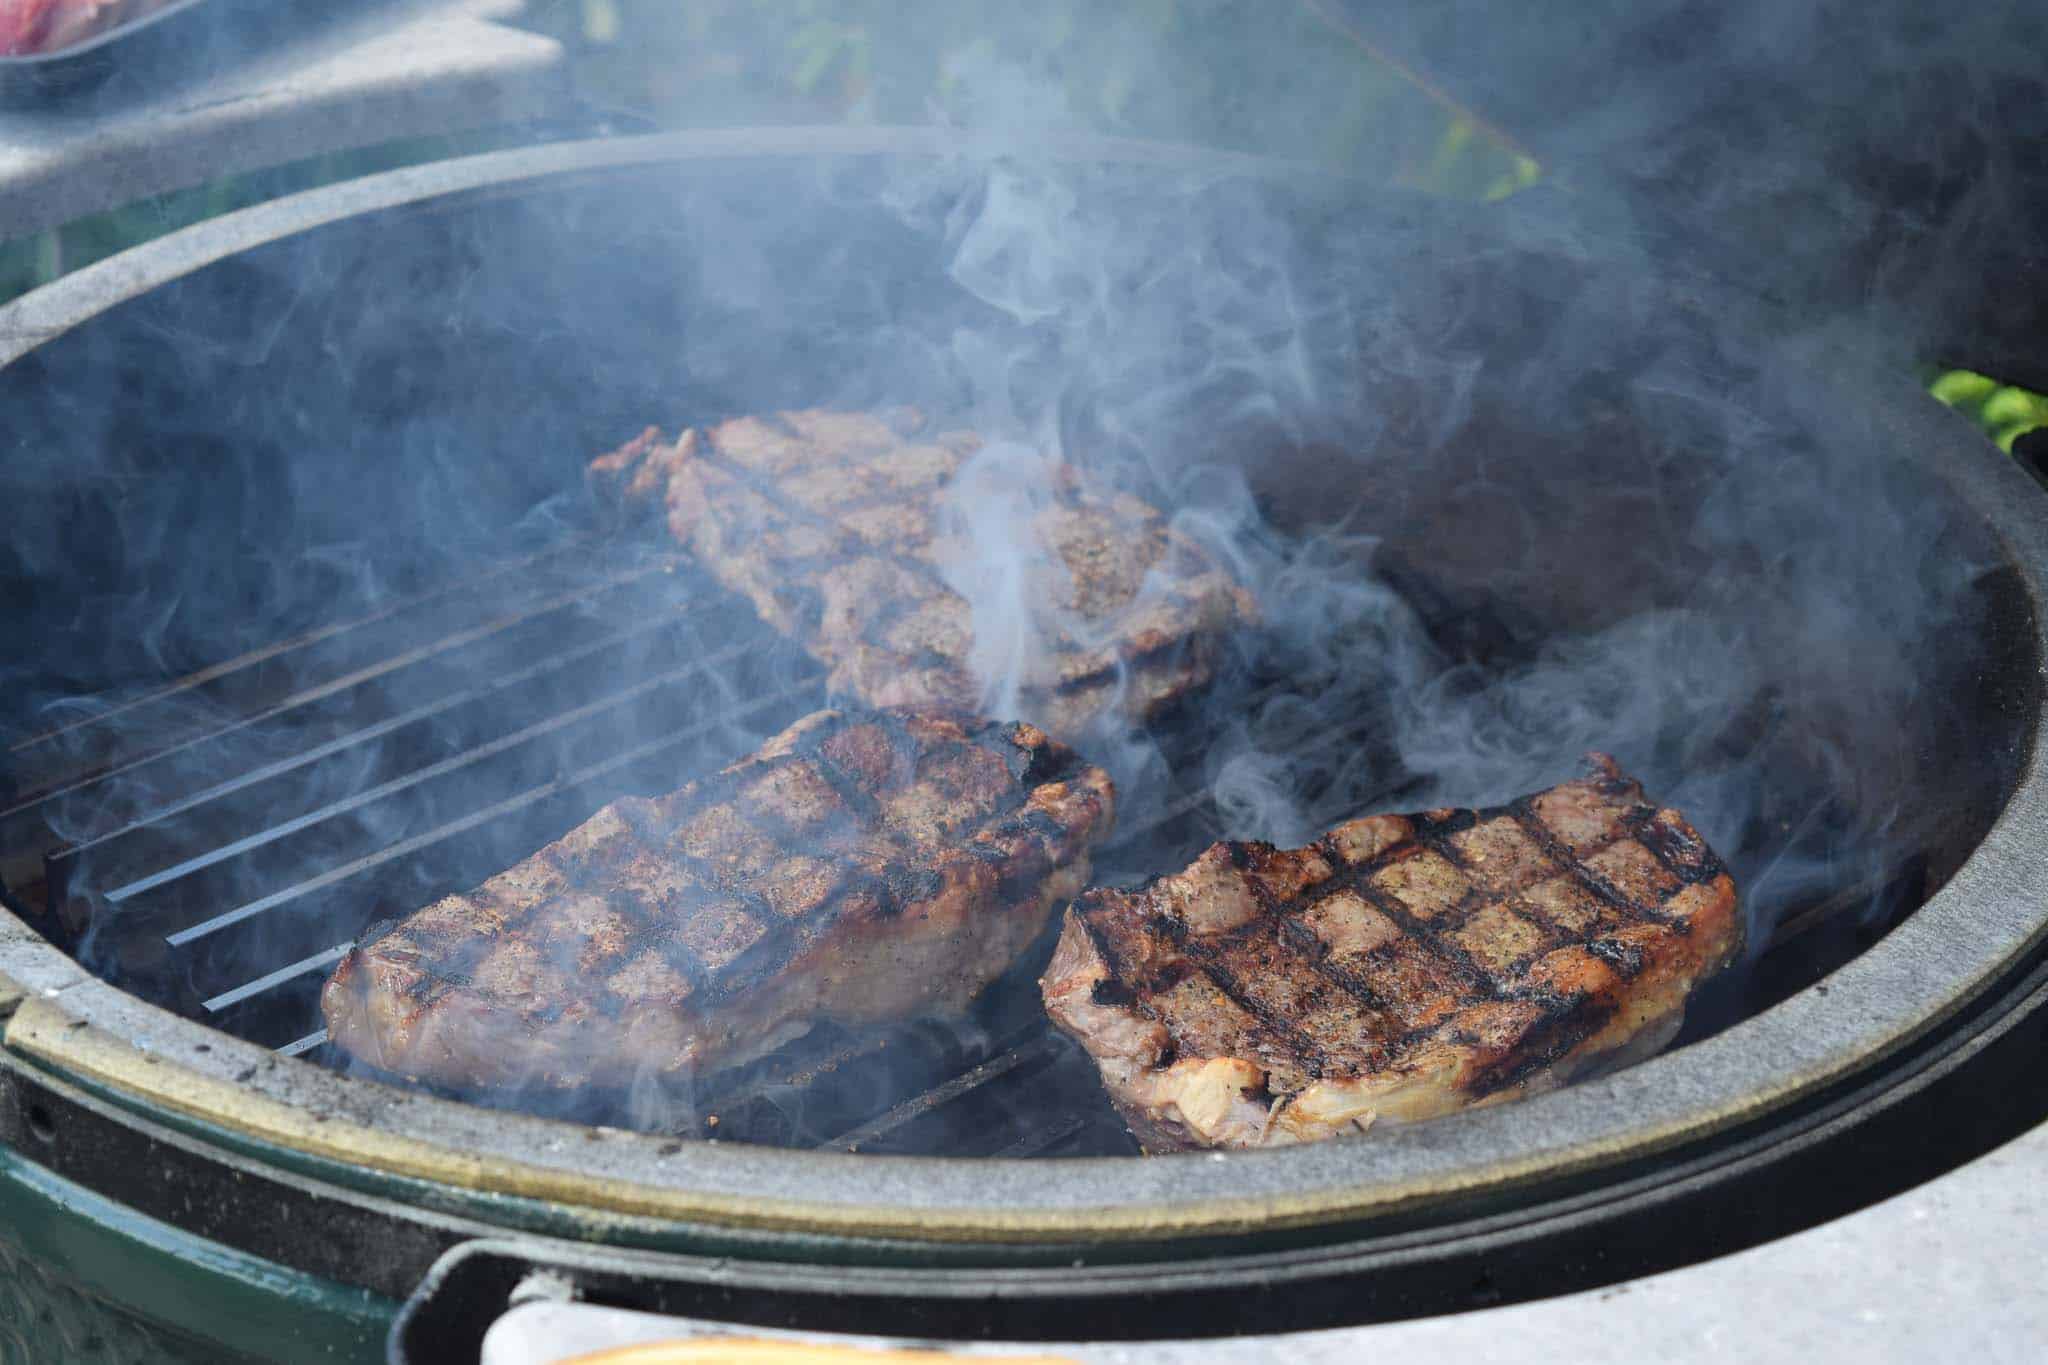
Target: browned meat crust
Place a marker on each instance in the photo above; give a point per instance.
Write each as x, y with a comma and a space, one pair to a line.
1399, 968
828, 522
858, 867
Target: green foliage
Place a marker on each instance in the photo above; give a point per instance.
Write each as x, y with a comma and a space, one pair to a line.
2003, 411
1962, 388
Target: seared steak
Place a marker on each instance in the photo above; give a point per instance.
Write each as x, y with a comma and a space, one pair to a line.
1399, 968
857, 867
829, 522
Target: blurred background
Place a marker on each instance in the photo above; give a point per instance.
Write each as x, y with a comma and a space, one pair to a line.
1907, 142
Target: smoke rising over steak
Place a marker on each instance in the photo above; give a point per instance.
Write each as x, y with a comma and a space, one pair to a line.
833, 525
1399, 968
857, 867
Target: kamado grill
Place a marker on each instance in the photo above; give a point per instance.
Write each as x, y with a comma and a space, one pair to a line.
186, 864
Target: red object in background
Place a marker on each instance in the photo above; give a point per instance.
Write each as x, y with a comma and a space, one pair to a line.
23, 24
28, 26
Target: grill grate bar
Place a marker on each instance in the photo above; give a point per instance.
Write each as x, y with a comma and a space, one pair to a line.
304, 1045
289, 972
970, 1080
813, 1069
580, 777
424, 711
443, 644
1039, 1139
1855, 898
414, 778
1194, 801
283, 647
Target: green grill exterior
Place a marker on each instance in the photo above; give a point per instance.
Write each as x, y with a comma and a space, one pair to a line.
87, 1281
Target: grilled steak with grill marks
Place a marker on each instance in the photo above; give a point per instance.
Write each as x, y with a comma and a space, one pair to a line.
857, 867
830, 524
1399, 968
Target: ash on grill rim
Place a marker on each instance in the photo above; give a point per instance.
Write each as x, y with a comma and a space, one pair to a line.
1930, 966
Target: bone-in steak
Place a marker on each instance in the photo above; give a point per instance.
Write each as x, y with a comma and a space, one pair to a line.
830, 524
1399, 968
857, 867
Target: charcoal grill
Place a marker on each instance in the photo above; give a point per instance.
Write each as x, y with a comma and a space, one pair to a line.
166, 1057
532, 691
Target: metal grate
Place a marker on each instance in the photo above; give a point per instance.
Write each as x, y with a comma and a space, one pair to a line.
217, 845
261, 813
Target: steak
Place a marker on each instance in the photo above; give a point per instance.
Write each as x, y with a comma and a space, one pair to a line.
857, 867
832, 524
1399, 968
